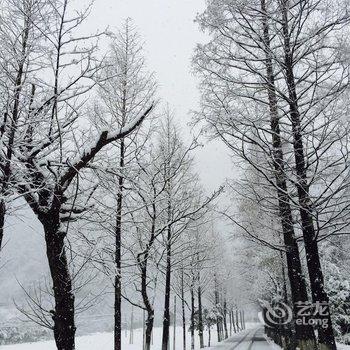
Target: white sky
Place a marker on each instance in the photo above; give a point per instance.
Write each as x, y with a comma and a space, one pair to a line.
170, 35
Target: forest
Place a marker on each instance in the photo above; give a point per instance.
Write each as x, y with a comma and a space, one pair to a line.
117, 239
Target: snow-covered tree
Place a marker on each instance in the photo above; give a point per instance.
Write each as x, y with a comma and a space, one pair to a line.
24, 24
335, 262
52, 145
125, 91
183, 200
270, 82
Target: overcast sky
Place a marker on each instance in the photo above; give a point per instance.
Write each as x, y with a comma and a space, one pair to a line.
170, 35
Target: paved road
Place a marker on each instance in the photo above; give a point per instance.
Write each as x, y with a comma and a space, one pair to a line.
252, 339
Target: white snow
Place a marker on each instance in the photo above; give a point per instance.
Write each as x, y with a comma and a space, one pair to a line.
104, 341
343, 346
271, 344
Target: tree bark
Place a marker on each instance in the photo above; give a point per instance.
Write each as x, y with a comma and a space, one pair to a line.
174, 325
233, 322
166, 316
218, 328
305, 337
149, 329
209, 336
131, 337
142, 260
149, 307
216, 295
192, 318
63, 315
118, 272
200, 318
319, 295
225, 319
2, 221
183, 311
237, 321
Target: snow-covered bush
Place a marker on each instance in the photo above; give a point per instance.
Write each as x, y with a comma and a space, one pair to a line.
338, 287
16, 334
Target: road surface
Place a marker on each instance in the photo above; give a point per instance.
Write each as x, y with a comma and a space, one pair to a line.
252, 339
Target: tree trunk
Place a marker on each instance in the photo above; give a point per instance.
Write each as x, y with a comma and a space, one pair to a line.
118, 238
117, 293
146, 301
225, 319
183, 311
200, 318
166, 316
2, 221
237, 321
305, 337
319, 295
222, 329
131, 338
174, 325
192, 318
233, 322
218, 329
143, 330
63, 315
285, 289
209, 336
142, 260
216, 295
149, 329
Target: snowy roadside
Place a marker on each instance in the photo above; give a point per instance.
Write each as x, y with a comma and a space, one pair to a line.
272, 344
276, 347
104, 341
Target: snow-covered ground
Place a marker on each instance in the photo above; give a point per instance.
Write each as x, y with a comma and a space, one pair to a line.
104, 341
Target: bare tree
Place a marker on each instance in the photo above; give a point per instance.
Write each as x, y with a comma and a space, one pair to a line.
319, 78
245, 128
50, 156
20, 33
265, 58
183, 201
125, 91
166, 197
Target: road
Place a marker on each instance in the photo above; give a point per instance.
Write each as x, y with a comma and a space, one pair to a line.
252, 339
